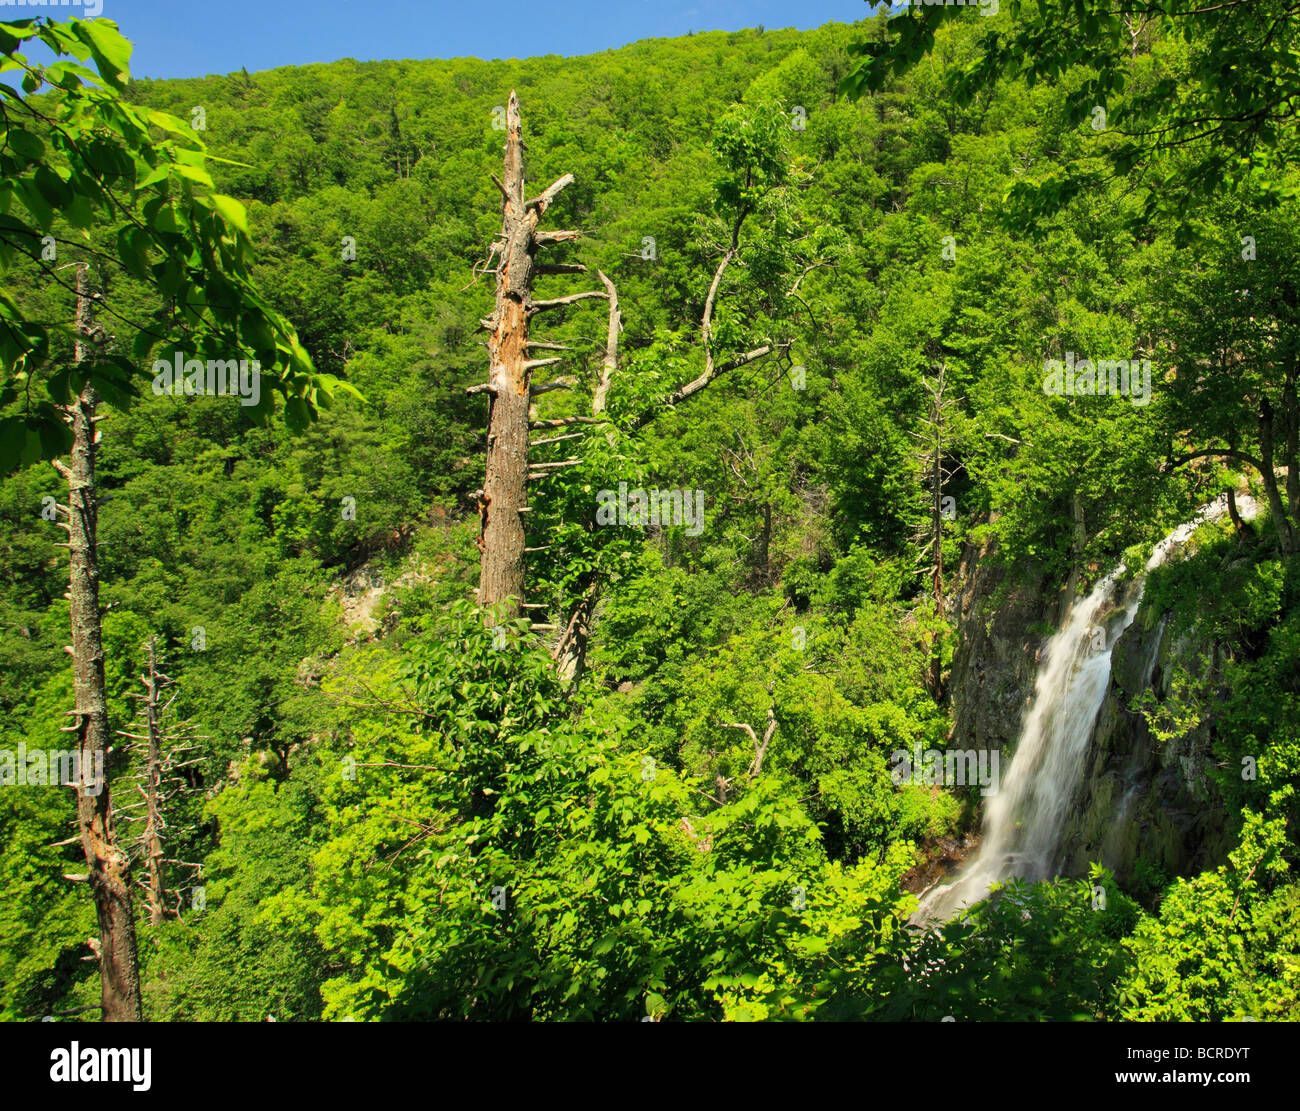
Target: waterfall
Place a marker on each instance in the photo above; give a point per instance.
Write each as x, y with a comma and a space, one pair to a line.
1131, 779
1024, 820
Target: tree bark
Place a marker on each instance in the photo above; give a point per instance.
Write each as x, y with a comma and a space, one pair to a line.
501, 542
760, 747
502, 503
570, 653
108, 865
1238, 525
1291, 417
934, 474
152, 837
711, 370
1285, 533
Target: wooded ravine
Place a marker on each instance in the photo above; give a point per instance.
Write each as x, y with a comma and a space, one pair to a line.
749, 526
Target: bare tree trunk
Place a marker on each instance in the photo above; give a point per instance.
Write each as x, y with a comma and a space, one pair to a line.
936, 521
609, 365
502, 503
933, 444
570, 653
1238, 525
711, 370
1291, 418
158, 782
109, 868
501, 571
1282, 523
152, 838
760, 747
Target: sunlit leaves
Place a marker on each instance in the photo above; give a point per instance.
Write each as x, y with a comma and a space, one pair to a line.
79, 156
1209, 86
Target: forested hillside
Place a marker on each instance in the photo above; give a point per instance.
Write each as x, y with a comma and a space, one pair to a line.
838, 335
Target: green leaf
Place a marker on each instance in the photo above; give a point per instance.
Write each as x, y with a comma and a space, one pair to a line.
297, 415
164, 219
133, 251
53, 188
59, 386
10, 37
231, 210
55, 437
168, 122
41, 212
193, 173
26, 144
112, 53
68, 74
159, 173
79, 212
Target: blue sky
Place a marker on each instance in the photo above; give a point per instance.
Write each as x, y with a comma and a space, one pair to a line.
192, 38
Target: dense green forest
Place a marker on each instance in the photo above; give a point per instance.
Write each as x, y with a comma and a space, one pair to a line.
385, 801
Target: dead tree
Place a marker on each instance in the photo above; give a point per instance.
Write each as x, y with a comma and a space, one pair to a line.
164, 754
510, 390
571, 650
502, 502
109, 867
933, 443
760, 747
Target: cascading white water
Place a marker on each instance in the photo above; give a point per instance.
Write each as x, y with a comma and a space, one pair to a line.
1024, 820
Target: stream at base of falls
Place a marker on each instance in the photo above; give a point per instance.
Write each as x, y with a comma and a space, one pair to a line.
1024, 820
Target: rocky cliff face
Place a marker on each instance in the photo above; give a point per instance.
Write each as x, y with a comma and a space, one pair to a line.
1141, 804
1003, 618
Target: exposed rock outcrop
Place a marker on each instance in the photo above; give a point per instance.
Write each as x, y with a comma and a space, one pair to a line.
1141, 803
1142, 800
1004, 618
